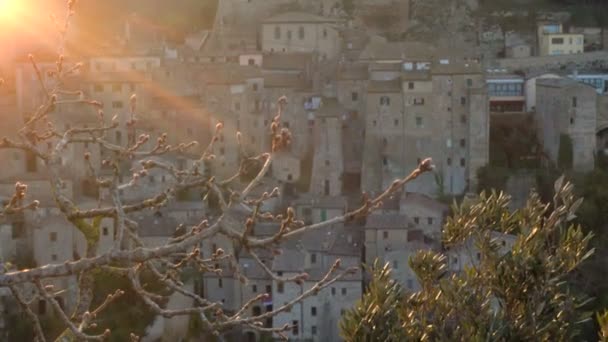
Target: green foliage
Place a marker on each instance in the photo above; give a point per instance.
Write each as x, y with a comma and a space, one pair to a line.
603, 322
515, 291
492, 178
348, 6
565, 153
374, 317
128, 308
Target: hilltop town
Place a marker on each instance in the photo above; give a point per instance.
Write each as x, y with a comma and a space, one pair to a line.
366, 99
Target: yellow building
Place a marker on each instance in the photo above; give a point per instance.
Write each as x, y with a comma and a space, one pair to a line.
553, 41
561, 44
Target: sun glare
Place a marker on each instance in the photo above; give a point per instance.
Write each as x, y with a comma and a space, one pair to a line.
10, 10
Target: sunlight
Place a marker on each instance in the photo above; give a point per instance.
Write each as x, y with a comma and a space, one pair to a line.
10, 10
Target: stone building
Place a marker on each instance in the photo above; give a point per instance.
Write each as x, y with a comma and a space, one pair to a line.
328, 162
427, 213
301, 32
602, 124
552, 40
466, 255
566, 107
438, 111
317, 318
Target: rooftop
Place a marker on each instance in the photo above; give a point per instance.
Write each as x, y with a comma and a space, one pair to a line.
354, 72
393, 86
389, 221
286, 61
298, 17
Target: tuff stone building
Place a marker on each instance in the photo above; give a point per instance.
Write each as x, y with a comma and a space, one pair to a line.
328, 162
567, 108
438, 110
317, 317
301, 32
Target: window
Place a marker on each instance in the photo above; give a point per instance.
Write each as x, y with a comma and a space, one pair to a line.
98, 88
419, 123
294, 328
429, 220
54, 257
462, 162
313, 330
117, 104
385, 101
118, 136
254, 288
220, 283
463, 142
384, 161
326, 188
280, 287
395, 264
53, 236
572, 121
277, 32
463, 100
237, 106
288, 34
222, 151
417, 220
313, 311
385, 235
455, 260
449, 161
313, 258
268, 289
301, 33
469, 82
333, 291
105, 231
354, 96
463, 119
396, 122
374, 123
410, 284
324, 33
574, 101
410, 85
117, 88
557, 41
478, 256
419, 101
344, 291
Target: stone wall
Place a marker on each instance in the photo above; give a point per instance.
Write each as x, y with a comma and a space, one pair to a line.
597, 59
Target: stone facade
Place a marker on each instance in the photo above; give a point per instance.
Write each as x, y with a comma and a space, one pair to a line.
328, 162
566, 107
301, 32
436, 113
